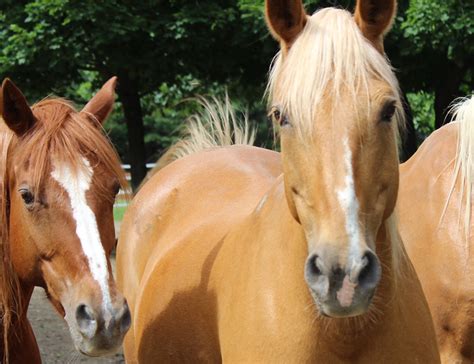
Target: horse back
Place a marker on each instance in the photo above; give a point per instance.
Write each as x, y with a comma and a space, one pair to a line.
169, 240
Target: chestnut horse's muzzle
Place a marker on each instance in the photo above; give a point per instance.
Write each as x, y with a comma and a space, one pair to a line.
101, 328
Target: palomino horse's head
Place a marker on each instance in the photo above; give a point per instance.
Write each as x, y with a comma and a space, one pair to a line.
336, 102
62, 177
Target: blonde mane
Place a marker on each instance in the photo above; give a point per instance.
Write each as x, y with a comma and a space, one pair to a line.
217, 125
463, 114
330, 56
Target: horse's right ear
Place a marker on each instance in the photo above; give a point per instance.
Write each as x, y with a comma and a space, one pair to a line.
14, 108
285, 19
102, 104
375, 18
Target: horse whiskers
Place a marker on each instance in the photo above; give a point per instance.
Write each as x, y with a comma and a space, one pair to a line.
330, 325
74, 357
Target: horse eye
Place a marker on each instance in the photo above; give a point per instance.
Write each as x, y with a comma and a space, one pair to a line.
388, 111
116, 188
284, 120
27, 197
278, 118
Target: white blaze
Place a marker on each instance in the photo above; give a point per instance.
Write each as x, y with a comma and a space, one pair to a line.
77, 183
348, 200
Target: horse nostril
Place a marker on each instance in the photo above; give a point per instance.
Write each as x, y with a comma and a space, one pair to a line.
312, 267
124, 318
370, 272
84, 313
86, 320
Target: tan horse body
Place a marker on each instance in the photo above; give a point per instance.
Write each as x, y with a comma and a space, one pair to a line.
162, 214
59, 177
223, 258
436, 242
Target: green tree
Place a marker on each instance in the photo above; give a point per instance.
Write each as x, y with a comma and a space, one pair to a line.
433, 47
48, 44
164, 51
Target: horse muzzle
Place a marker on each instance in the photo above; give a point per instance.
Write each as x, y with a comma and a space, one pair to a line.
98, 331
343, 291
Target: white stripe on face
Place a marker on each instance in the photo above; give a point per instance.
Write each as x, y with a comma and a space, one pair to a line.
348, 200
76, 183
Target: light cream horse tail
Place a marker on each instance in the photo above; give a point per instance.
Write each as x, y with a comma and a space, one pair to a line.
463, 114
215, 126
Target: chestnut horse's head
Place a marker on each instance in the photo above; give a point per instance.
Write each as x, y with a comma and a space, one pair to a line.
336, 103
62, 176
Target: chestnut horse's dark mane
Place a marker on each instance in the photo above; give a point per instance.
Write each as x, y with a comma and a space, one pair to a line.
66, 134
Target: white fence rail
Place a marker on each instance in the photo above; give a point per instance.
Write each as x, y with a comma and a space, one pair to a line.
120, 202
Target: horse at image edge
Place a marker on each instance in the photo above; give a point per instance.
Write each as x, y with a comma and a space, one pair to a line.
59, 177
435, 211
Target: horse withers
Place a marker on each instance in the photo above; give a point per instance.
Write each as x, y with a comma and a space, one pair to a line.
223, 258
435, 212
59, 177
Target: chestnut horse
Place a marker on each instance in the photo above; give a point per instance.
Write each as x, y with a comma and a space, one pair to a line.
435, 212
59, 177
221, 259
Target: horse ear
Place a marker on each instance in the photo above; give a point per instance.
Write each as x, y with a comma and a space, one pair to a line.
14, 108
102, 104
375, 18
285, 19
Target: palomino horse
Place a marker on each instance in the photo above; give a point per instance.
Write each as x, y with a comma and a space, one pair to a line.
435, 211
59, 177
222, 260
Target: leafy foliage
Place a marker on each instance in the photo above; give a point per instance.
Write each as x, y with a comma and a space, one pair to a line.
174, 49
423, 113
444, 28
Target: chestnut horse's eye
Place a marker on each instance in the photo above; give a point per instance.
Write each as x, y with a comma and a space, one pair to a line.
116, 188
278, 118
27, 197
388, 111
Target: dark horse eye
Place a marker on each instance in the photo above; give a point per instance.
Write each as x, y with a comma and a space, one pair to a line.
278, 118
388, 111
116, 188
27, 196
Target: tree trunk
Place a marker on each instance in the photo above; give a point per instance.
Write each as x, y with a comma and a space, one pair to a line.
409, 140
132, 109
446, 90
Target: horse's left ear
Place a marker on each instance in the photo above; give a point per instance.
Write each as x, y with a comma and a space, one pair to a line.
375, 18
14, 108
102, 104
